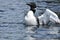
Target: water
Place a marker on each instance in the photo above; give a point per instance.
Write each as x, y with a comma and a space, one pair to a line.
12, 26
22, 32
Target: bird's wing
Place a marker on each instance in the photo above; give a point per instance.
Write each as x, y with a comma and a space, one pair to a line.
54, 19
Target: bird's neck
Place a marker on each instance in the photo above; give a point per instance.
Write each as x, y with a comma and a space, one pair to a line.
33, 9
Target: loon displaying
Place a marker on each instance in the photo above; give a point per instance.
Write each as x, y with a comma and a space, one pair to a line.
30, 19
47, 16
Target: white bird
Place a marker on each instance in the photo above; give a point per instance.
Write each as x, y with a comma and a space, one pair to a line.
47, 16
30, 19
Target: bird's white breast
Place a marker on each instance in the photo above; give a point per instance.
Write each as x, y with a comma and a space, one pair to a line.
30, 19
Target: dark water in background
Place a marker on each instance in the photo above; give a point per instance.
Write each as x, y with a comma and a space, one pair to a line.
12, 14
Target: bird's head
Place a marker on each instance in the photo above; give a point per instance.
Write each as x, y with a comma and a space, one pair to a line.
32, 6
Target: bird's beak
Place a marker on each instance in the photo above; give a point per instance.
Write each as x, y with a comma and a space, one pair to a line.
28, 4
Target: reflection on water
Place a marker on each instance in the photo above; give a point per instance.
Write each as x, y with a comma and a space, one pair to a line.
23, 32
46, 32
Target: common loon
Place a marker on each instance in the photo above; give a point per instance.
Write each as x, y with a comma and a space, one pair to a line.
30, 18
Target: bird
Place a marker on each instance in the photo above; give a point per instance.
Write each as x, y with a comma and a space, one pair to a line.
48, 16
30, 18
53, 17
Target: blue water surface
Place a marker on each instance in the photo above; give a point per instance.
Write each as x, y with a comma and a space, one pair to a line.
12, 25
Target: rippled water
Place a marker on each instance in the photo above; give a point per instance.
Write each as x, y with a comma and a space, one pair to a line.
12, 14
23, 32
